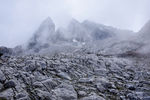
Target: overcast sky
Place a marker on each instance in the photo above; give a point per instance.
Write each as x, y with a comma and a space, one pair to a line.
20, 18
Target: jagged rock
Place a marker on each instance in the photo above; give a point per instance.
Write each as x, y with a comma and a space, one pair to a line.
82, 93
131, 87
49, 84
102, 84
20, 96
43, 95
5, 51
100, 88
144, 32
38, 85
65, 92
1, 86
1, 54
24, 98
146, 98
132, 96
75, 35
64, 75
86, 80
122, 97
93, 96
2, 77
100, 71
41, 65
78, 32
7, 94
18, 50
9, 84
43, 35
31, 68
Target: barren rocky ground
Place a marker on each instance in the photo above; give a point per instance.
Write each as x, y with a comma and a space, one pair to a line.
74, 76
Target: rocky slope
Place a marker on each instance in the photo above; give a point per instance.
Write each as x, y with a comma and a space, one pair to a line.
80, 75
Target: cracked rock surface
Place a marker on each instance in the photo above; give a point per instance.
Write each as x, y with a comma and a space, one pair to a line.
74, 76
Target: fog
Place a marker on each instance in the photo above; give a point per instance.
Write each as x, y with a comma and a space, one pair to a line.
19, 19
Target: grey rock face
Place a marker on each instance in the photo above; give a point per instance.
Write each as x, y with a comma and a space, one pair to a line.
86, 80
43, 95
20, 96
64, 75
5, 51
2, 77
146, 98
144, 32
43, 35
49, 84
82, 93
93, 97
9, 84
65, 92
6, 95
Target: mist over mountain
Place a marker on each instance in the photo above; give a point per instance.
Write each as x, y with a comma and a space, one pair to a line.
83, 61
75, 35
90, 36
44, 34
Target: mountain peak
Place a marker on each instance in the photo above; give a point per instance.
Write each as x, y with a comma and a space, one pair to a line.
87, 21
74, 25
145, 31
74, 22
44, 33
48, 22
48, 19
145, 28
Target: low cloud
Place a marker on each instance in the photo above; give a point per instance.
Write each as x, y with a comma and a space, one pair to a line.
20, 18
